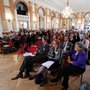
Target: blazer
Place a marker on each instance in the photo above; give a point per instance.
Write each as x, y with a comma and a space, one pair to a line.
79, 59
43, 50
51, 54
68, 47
85, 42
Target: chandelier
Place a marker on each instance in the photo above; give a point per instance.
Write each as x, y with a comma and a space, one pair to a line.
67, 11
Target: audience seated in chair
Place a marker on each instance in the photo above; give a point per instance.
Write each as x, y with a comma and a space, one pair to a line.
28, 62
76, 66
53, 59
66, 46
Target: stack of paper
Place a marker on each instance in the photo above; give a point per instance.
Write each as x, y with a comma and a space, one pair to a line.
48, 64
28, 54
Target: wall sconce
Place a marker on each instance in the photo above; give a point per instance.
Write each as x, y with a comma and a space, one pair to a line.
8, 16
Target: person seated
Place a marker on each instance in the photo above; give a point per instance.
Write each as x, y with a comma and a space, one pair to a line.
77, 37
54, 37
22, 39
52, 61
66, 46
61, 37
28, 62
4, 40
77, 65
11, 34
85, 42
72, 40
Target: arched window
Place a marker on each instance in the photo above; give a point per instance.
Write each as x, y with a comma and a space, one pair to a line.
21, 8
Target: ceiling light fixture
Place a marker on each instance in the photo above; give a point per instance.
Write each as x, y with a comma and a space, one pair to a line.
67, 11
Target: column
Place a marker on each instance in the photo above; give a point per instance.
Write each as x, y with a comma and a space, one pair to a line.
67, 24
45, 23
30, 15
34, 17
12, 8
37, 16
61, 23
46, 18
8, 15
37, 21
3, 15
83, 21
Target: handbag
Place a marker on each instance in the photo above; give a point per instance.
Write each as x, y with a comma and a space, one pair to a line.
39, 78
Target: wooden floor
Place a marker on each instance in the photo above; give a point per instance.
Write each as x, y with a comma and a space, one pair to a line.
9, 66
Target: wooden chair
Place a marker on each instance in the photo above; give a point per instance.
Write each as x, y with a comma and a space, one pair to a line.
32, 49
77, 77
10, 42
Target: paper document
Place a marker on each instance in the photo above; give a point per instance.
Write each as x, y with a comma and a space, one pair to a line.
48, 64
28, 54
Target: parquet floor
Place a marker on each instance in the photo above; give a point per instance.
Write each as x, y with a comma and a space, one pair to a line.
9, 66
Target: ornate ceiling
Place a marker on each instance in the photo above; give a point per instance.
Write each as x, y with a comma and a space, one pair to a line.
76, 5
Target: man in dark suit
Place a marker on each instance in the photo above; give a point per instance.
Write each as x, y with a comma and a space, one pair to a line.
28, 62
66, 46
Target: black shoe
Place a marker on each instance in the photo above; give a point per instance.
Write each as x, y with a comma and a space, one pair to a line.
0, 52
43, 83
64, 88
26, 76
54, 80
31, 77
17, 77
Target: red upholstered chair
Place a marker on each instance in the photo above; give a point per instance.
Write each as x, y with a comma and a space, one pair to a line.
38, 42
32, 49
21, 50
7, 47
10, 42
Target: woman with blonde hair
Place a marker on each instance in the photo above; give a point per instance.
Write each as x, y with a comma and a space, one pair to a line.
76, 66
